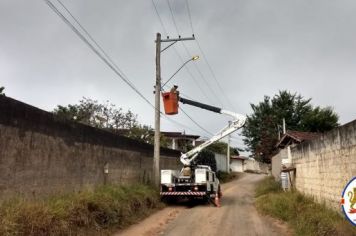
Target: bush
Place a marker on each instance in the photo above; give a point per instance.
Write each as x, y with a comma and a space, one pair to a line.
304, 215
104, 209
267, 185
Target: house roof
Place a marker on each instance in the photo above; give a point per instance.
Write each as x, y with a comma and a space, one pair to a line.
166, 134
179, 135
296, 137
239, 158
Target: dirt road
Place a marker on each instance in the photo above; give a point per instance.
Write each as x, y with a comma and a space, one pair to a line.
237, 216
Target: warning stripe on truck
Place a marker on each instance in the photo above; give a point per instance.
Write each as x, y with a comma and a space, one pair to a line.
183, 193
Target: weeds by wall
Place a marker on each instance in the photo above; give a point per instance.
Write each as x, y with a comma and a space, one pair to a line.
303, 215
94, 212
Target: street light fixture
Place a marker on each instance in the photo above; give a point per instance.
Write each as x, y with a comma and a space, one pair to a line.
194, 58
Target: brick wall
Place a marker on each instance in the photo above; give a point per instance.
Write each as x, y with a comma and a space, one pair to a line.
326, 164
40, 155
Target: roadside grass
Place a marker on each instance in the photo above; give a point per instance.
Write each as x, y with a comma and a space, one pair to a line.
303, 215
89, 212
225, 177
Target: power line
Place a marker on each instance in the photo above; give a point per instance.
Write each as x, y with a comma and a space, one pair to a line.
205, 57
175, 49
196, 123
105, 60
108, 61
189, 54
162, 24
213, 74
159, 17
179, 56
173, 19
189, 15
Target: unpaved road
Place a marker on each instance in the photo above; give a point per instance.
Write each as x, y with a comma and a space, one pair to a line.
236, 216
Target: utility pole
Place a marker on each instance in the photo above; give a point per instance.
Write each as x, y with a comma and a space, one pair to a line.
156, 151
228, 152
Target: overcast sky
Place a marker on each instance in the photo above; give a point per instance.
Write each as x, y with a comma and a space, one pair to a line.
254, 48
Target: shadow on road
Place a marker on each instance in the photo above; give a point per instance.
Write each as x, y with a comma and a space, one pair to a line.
188, 203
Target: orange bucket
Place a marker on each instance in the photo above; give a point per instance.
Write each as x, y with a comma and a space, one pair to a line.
170, 101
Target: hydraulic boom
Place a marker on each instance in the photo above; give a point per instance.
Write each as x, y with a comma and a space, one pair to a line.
237, 122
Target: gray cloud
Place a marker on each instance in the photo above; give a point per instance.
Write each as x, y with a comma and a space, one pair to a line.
255, 48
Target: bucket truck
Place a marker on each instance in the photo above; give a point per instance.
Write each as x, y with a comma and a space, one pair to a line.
195, 181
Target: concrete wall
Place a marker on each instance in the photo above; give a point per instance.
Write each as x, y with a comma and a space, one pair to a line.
255, 166
277, 166
326, 164
40, 155
237, 165
221, 164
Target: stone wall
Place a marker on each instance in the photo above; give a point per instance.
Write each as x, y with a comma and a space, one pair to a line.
325, 165
41, 155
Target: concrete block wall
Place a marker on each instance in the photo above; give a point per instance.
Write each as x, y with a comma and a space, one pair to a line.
325, 165
40, 155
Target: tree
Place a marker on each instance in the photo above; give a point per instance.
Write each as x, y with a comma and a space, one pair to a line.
107, 116
221, 148
146, 134
100, 115
206, 157
264, 124
2, 91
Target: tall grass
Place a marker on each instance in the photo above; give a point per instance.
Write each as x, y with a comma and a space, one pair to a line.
89, 212
304, 215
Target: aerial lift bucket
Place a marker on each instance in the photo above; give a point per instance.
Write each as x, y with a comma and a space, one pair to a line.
170, 101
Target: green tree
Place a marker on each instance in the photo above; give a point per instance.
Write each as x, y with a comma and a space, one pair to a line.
221, 148
206, 157
100, 115
146, 134
264, 124
2, 91
107, 116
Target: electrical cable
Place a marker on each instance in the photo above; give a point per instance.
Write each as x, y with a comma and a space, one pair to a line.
189, 54
173, 19
189, 16
105, 60
108, 61
179, 56
213, 74
205, 57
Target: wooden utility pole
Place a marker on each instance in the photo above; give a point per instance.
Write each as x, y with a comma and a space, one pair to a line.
156, 152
